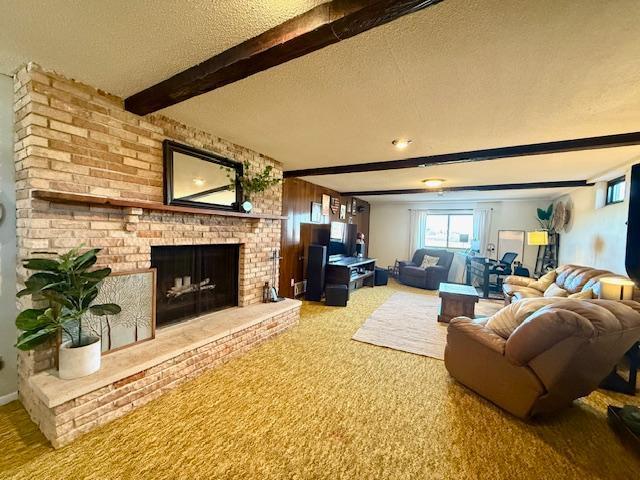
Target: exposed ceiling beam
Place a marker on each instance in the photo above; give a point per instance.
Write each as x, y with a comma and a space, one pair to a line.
313, 30
560, 146
477, 188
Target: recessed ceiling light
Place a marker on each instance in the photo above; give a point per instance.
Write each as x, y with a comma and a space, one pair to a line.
401, 143
433, 182
199, 181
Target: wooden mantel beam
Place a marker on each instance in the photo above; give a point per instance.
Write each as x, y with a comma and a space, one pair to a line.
475, 188
560, 146
313, 30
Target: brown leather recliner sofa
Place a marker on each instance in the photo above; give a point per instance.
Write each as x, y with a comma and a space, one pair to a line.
538, 355
564, 281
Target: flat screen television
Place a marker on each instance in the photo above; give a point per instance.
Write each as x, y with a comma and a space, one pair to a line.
341, 239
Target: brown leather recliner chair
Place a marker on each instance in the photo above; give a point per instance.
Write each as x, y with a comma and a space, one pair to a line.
538, 355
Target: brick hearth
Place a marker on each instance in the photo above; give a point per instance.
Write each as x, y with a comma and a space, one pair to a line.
132, 377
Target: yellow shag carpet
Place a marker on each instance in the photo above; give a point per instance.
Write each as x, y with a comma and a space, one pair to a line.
314, 404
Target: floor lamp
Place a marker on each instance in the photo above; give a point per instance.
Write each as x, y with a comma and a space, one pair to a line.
539, 238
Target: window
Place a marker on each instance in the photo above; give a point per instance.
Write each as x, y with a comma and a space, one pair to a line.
615, 190
449, 230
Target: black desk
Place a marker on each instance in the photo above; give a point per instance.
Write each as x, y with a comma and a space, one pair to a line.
351, 271
478, 267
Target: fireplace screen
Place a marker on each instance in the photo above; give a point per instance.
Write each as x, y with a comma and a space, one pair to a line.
194, 280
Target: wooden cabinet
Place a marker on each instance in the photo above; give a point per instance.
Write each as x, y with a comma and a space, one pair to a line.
351, 271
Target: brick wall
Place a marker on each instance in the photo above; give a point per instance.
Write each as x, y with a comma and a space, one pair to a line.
71, 137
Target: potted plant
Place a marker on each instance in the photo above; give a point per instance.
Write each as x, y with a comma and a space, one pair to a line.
255, 183
545, 218
67, 287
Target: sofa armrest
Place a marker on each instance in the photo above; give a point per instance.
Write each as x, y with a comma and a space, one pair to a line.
518, 280
406, 263
477, 332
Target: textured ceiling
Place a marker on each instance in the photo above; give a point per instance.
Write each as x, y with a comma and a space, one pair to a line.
124, 46
461, 75
586, 165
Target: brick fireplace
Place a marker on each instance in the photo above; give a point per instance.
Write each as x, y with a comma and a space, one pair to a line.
75, 140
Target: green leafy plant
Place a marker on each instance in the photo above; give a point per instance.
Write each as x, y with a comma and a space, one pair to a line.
69, 287
545, 218
255, 183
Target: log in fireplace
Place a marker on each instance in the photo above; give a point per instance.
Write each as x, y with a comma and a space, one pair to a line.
193, 280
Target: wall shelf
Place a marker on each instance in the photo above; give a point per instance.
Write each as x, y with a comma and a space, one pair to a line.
84, 199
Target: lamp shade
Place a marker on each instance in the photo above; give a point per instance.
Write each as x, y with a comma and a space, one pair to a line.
538, 237
612, 288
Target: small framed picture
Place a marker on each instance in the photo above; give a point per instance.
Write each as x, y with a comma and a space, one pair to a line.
335, 205
326, 204
343, 211
135, 292
354, 205
316, 212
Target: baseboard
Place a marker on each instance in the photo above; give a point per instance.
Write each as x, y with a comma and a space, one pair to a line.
9, 397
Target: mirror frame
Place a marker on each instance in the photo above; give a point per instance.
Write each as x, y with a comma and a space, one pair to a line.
168, 149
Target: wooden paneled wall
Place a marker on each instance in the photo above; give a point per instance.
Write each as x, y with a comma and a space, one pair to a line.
297, 196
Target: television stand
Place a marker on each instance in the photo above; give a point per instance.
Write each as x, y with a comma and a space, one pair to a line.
354, 272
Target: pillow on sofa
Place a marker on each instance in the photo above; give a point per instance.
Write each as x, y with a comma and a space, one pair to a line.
428, 261
555, 291
583, 295
545, 281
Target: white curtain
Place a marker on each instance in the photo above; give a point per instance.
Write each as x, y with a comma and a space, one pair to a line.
481, 229
417, 230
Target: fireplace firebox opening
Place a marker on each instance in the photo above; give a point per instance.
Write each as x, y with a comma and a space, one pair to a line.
193, 280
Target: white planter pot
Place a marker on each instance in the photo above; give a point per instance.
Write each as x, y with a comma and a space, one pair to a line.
80, 361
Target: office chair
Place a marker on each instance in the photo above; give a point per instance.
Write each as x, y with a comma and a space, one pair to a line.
503, 267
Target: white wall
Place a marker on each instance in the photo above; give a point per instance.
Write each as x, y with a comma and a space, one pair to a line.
389, 229
8, 374
596, 237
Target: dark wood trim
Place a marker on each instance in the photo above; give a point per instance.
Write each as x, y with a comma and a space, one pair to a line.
561, 146
313, 30
478, 188
82, 199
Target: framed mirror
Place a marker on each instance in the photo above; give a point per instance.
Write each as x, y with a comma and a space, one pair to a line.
196, 178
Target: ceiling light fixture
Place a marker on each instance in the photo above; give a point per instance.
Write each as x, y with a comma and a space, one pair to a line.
433, 182
401, 143
199, 181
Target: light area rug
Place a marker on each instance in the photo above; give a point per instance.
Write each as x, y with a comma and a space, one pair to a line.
408, 322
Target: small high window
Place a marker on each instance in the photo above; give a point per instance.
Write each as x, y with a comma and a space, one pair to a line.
615, 190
